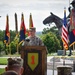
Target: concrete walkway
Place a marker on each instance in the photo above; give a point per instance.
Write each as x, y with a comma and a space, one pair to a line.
2, 66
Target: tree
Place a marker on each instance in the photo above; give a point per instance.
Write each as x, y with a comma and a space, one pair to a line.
51, 42
1, 47
13, 47
54, 30
12, 35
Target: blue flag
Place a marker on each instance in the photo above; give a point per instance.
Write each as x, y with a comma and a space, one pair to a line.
22, 30
7, 33
72, 37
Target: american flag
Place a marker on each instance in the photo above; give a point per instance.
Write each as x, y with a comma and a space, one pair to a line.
65, 32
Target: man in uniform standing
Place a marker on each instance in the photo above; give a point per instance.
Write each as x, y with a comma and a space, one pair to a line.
33, 39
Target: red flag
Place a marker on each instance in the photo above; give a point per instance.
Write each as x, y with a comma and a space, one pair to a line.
7, 33
22, 30
72, 20
30, 21
72, 28
65, 32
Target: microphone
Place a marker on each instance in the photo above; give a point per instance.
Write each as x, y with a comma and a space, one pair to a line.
27, 40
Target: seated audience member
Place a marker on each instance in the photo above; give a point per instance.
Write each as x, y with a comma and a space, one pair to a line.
10, 73
15, 64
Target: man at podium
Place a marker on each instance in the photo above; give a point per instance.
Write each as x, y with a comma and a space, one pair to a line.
34, 54
32, 39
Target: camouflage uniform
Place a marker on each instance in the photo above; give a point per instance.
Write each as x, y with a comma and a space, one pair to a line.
35, 41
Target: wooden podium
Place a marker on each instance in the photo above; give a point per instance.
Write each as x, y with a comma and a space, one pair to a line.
35, 60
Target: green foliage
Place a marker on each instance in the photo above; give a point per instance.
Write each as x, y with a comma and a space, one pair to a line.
53, 30
2, 70
1, 35
3, 61
1, 47
15, 39
12, 35
13, 47
51, 42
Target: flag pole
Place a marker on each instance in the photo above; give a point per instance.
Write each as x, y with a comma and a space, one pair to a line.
63, 37
70, 29
10, 49
16, 24
64, 57
16, 27
9, 45
73, 47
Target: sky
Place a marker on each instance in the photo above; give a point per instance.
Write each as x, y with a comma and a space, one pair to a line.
40, 9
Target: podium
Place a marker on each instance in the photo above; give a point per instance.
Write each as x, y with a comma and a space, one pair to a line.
35, 60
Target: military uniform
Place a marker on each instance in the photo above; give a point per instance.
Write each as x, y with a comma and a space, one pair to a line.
72, 16
33, 40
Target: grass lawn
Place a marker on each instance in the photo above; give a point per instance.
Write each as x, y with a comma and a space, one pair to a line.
2, 70
9, 55
3, 61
